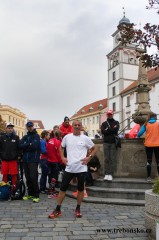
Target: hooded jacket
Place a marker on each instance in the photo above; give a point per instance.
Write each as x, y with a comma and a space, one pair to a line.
30, 144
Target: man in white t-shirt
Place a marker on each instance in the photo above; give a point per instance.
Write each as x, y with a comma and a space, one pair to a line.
77, 146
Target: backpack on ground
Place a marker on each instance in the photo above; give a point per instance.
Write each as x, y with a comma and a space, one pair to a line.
5, 191
19, 192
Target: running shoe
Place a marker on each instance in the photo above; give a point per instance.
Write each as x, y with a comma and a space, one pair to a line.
43, 191
36, 200
54, 195
78, 214
149, 180
55, 214
27, 197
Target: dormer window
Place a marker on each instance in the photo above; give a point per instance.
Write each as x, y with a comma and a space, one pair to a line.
100, 105
90, 109
36, 125
82, 111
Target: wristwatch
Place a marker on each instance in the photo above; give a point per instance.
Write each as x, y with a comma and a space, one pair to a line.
90, 156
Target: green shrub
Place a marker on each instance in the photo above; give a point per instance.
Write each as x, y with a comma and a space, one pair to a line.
155, 187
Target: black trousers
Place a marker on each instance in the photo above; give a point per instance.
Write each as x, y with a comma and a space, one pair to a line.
149, 154
53, 171
67, 177
31, 175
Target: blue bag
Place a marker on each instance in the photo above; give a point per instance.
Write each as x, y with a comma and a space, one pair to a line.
5, 191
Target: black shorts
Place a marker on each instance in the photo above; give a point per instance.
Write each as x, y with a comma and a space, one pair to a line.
67, 177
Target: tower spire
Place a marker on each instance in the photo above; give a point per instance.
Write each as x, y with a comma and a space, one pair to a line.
124, 11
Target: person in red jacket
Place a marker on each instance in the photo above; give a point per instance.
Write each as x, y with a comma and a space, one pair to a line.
66, 128
53, 157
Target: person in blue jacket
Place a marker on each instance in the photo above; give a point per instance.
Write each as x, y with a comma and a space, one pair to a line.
30, 144
45, 136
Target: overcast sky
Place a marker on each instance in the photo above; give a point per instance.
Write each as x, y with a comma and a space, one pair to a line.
53, 52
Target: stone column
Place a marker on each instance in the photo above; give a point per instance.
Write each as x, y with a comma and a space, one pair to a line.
143, 89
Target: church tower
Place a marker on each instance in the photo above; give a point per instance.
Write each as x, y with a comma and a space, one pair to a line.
122, 71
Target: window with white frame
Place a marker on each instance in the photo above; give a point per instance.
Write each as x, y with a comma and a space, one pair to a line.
128, 101
97, 119
113, 91
114, 76
93, 120
114, 107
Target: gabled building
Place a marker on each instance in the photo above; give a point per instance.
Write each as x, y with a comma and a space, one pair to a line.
91, 115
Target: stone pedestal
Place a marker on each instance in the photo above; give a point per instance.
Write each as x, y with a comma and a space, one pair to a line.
151, 213
130, 161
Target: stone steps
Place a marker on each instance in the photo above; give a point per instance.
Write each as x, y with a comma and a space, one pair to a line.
121, 191
112, 201
134, 183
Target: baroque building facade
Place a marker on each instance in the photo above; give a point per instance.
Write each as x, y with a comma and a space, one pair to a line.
14, 115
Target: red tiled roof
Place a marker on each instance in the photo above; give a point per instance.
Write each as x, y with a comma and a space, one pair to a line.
91, 108
130, 87
38, 123
152, 75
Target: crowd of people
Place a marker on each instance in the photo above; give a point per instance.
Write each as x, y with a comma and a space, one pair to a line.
67, 150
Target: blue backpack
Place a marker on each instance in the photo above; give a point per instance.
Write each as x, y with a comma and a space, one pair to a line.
5, 191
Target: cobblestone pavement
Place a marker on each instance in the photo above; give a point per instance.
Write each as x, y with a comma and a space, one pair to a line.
25, 220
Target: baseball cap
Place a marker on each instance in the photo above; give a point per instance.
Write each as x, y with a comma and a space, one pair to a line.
29, 124
9, 124
109, 112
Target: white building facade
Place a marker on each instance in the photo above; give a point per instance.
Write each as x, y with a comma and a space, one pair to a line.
123, 69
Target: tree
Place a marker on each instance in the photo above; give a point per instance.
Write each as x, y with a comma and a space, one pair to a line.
147, 37
2, 125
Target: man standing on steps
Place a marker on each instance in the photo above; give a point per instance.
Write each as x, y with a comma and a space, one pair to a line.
77, 146
109, 129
